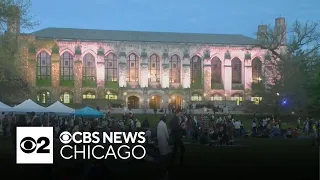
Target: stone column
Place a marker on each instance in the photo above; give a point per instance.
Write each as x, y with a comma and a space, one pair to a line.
227, 75
77, 71
100, 77
207, 77
186, 78
186, 73
144, 74
55, 77
247, 74
122, 71
165, 73
32, 73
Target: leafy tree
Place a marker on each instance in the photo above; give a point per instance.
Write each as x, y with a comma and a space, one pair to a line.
295, 52
14, 14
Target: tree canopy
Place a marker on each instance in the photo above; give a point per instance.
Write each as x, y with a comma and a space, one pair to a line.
12, 82
295, 56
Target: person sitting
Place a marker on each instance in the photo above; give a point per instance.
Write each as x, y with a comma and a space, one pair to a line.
289, 133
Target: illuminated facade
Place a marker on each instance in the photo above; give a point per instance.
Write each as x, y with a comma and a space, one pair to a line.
141, 68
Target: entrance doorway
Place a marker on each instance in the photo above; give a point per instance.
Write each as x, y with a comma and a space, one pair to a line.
133, 102
154, 102
176, 100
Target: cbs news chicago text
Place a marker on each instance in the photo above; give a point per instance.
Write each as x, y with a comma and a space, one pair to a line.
35, 145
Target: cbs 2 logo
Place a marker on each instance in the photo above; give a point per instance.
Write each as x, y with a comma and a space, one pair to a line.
29, 145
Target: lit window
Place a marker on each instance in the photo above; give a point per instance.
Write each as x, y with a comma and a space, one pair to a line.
43, 97
256, 100
89, 96
196, 97
216, 98
237, 98
66, 98
111, 96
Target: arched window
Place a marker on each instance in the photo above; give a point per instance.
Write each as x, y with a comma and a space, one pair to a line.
44, 66
154, 68
66, 66
43, 97
111, 67
195, 69
89, 95
66, 97
175, 69
196, 97
256, 70
236, 71
216, 70
111, 95
89, 68
133, 69
216, 97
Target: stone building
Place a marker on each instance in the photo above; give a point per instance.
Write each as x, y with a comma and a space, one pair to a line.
148, 69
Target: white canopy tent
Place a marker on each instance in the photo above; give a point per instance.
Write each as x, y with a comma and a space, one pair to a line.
5, 108
60, 108
29, 106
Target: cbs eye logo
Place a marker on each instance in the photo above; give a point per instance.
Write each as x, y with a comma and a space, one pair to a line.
65, 137
28, 145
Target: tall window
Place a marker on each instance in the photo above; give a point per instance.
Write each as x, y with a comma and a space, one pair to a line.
236, 71
43, 97
89, 68
196, 97
256, 70
111, 67
66, 97
216, 70
195, 69
174, 65
66, 66
44, 66
133, 69
154, 68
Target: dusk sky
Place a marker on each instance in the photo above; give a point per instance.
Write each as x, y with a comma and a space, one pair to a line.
201, 16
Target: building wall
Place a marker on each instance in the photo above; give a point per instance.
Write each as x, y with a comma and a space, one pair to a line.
31, 47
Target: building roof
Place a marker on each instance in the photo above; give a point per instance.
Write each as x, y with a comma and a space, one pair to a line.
140, 36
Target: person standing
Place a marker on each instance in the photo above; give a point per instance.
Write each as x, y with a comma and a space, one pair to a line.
176, 135
163, 137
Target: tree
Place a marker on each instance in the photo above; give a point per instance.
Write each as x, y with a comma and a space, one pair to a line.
293, 61
13, 15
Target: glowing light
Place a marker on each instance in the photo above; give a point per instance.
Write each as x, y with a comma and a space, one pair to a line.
125, 93
259, 79
108, 92
173, 97
204, 94
152, 97
225, 94
278, 94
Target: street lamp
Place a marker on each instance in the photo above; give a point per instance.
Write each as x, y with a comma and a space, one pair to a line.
225, 99
278, 94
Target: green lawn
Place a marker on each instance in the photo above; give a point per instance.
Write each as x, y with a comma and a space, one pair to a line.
275, 157
289, 121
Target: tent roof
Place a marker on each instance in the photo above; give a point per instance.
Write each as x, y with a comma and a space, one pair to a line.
4, 107
58, 107
88, 112
29, 106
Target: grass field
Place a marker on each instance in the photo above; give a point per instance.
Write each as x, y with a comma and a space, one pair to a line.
272, 157
256, 158
289, 121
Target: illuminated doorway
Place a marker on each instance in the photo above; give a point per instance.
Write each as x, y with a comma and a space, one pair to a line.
154, 102
133, 102
176, 100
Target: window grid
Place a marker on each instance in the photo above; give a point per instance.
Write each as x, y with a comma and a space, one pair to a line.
89, 68
133, 69
111, 67
175, 69
196, 97
66, 66
216, 70
154, 68
236, 71
195, 69
89, 95
44, 66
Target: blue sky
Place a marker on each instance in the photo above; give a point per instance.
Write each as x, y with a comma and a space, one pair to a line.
201, 16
